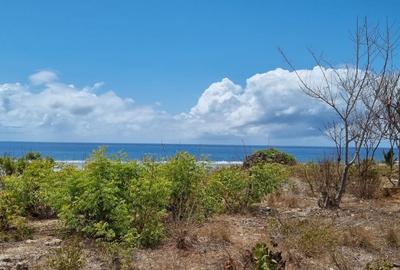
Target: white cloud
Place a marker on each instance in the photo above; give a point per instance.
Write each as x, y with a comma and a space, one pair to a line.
43, 77
270, 105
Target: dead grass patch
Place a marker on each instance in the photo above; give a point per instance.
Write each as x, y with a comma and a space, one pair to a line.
217, 232
310, 237
68, 257
359, 237
283, 199
392, 237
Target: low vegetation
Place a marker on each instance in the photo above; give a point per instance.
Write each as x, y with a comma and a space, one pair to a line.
257, 217
128, 201
269, 156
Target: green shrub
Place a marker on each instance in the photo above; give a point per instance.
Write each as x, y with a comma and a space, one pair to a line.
265, 179
236, 189
27, 188
188, 183
150, 194
229, 187
12, 223
114, 200
22, 195
8, 166
270, 155
11, 166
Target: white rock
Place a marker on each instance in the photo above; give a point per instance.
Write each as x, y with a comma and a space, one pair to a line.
53, 242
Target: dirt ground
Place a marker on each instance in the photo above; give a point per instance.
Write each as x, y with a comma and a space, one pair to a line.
360, 232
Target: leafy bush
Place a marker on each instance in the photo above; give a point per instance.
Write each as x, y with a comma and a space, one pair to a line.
114, 200
270, 155
150, 194
28, 190
265, 179
229, 186
188, 184
11, 166
12, 223
23, 195
236, 189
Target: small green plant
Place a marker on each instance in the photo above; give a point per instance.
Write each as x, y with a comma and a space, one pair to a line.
68, 257
265, 259
117, 256
390, 161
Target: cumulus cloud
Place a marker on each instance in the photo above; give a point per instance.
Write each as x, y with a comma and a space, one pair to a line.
269, 106
43, 77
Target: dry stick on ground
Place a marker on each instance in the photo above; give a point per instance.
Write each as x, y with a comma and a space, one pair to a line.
344, 91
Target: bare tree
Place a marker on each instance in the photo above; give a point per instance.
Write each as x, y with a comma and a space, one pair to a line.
390, 100
352, 92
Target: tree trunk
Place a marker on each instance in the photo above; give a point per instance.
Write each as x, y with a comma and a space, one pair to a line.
398, 164
343, 183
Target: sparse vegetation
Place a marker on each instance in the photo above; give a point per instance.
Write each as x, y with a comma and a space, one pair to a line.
365, 180
68, 257
122, 206
358, 237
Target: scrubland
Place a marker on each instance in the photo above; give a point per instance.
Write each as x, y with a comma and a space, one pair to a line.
181, 214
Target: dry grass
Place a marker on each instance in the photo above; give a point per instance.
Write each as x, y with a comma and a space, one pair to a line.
392, 238
310, 237
340, 261
217, 232
68, 257
283, 199
359, 237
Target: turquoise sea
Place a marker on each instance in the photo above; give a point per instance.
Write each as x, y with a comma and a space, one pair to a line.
216, 153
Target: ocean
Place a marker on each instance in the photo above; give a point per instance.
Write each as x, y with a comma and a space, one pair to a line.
75, 152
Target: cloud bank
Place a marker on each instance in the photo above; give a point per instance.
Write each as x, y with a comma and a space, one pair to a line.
269, 108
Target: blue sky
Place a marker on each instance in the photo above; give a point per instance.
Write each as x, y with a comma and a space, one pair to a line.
164, 54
